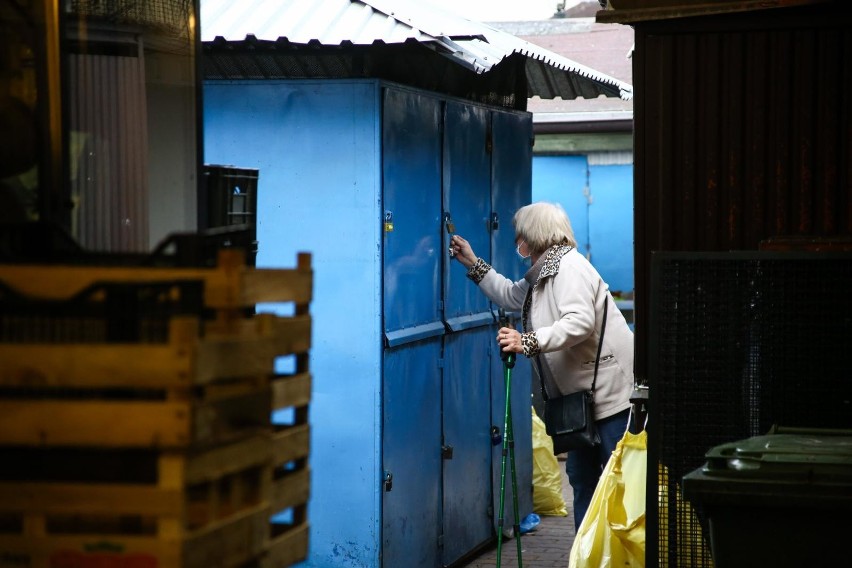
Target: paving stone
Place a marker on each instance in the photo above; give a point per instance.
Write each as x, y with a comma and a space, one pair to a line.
548, 546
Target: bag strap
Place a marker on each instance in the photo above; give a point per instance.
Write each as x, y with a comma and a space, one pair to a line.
600, 345
597, 357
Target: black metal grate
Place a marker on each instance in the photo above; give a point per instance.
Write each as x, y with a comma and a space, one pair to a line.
167, 14
168, 25
104, 312
738, 342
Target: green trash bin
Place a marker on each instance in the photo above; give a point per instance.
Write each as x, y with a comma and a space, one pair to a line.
783, 499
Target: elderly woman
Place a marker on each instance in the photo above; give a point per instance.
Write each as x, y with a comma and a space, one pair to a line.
562, 300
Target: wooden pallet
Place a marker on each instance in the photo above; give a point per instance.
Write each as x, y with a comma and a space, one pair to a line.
198, 509
185, 411
190, 390
206, 383
237, 348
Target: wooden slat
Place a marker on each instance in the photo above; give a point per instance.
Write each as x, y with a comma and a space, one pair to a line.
171, 476
291, 390
249, 351
293, 334
291, 444
80, 498
252, 352
226, 286
227, 459
233, 358
97, 364
233, 542
34, 525
94, 423
291, 490
230, 528
92, 365
280, 285
288, 548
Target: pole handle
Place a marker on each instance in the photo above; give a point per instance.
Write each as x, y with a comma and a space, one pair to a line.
504, 321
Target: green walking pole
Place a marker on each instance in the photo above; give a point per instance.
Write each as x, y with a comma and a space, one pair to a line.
508, 450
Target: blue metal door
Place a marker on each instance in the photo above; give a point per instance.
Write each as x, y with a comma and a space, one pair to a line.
511, 188
413, 248
511, 165
466, 378
411, 397
411, 449
611, 224
466, 443
467, 208
564, 180
599, 202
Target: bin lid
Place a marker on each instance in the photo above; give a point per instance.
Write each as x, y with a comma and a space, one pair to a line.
806, 455
803, 469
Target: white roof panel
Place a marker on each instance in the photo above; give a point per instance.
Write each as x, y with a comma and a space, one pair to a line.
473, 45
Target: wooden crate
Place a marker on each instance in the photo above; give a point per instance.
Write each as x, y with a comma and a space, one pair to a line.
206, 383
146, 508
200, 400
190, 390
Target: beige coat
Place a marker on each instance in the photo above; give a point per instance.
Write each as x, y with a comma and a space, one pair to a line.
562, 327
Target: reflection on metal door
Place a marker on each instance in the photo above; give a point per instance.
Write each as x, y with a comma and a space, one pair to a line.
511, 168
411, 171
466, 400
467, 186
411, 393
466, 444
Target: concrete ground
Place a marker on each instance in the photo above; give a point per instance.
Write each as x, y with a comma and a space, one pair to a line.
548, 546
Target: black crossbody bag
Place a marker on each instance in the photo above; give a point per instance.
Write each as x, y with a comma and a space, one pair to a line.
570, 419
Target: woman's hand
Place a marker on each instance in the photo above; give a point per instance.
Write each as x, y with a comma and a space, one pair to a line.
510, 340
461, 251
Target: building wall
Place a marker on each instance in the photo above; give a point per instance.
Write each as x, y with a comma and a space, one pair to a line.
597, 194
742, 127
743, 132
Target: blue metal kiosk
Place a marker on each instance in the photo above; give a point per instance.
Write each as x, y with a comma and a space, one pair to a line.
372, 177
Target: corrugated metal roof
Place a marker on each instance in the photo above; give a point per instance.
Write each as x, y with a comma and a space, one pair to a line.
475, 46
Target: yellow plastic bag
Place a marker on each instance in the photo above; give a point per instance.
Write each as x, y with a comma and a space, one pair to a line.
612, 533
547, 478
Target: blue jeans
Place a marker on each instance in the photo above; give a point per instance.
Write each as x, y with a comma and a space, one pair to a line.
584, 467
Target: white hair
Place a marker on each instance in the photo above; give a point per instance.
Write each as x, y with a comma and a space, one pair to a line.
542, 225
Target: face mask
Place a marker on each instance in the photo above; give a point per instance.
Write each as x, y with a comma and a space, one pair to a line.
518, 249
